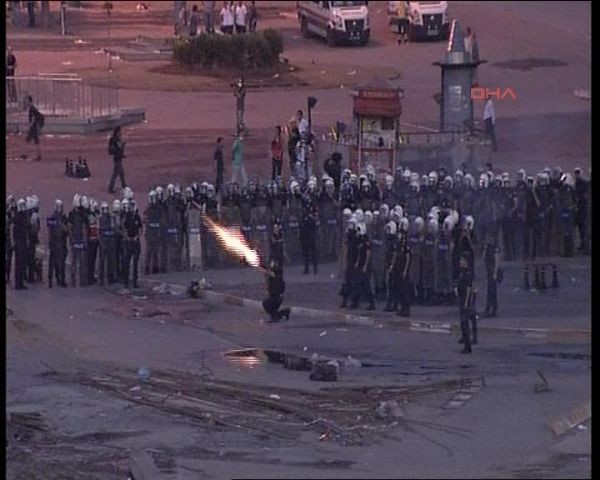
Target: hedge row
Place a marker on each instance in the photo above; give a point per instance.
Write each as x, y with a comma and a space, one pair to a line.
244, 51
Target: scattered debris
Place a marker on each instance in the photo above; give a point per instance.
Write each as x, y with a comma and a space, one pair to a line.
583, 94
572, 419
352, 72
325, 371
543, 386
389, 409
143, 374
350, 362
332, 413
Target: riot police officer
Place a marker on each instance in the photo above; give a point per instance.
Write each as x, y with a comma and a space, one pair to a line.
132, 229
361, 280
351, 256
20, 233
78, 231
32, 236
107, 245
401, 266
58, 233
491, 258
308, 234
276, 289
11, 210
276, 244
581, 208
466, 298
153, 220
93, 241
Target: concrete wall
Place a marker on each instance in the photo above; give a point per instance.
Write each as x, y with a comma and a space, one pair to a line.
18, 123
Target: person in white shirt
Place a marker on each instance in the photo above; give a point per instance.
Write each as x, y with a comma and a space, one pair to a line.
489, 117
227, 18
240, 18
302, 125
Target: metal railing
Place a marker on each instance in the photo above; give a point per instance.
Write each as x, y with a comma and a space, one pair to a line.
63, 95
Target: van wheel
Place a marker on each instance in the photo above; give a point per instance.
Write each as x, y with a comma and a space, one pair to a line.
364, 40
331, 38
304, 27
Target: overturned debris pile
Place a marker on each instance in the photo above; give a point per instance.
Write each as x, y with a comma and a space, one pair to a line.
346, 415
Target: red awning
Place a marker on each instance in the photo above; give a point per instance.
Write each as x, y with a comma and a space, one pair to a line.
377, 107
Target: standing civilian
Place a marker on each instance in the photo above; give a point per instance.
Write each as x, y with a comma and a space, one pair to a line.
276, 154
489, 117
293, 138
252, 17
241, 12
209, 11
219, 166
475, 57
240, 106
116, 148
227, 18
238, 161
302, 125
11, 67
31, 13
194, 23
469, 44
36, 123
401, 13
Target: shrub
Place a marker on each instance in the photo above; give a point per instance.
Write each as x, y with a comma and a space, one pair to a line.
253, 50
275, 41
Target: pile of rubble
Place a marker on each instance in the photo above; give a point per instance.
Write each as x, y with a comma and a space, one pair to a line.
348, 415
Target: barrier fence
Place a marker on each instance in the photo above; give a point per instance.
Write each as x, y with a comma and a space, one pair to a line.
63, 95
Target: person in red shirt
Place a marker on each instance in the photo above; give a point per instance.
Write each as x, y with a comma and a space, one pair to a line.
277, 154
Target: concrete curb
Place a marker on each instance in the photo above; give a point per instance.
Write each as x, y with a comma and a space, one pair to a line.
398, 324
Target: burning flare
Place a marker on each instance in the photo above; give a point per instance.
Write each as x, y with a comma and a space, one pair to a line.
234, 242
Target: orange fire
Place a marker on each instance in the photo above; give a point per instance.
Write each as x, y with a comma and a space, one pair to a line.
234, 242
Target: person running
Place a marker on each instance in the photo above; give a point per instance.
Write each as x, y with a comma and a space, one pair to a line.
116, 148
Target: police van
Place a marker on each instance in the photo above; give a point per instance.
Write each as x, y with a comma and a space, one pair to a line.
336, 22
426, 20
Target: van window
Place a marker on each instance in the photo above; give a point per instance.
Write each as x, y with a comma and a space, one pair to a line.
347, 4
326, 5
387, 123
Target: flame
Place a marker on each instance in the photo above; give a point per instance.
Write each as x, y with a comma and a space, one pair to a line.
234, 242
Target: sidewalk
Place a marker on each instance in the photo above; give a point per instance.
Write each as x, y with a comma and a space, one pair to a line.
560, 313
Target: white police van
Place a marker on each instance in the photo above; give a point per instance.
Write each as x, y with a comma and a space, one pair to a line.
336, 22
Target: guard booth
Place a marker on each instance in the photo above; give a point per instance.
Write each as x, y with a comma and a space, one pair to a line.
458, 77
376, 112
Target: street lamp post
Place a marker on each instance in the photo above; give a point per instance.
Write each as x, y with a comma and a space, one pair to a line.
108, 6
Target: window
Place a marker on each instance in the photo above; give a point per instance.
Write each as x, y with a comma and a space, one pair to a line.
388, 123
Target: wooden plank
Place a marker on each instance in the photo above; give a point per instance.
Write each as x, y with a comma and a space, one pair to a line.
571, 419
141, 467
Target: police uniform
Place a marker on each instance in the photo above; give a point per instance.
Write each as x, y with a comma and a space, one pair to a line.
351, 254
132, 227
276, 289
466, 304
58, 233
308, 235
8, 245
361, 279
32, 242
154, 220
404, 288
78, 227
20, 235
106, 223
489, 258
444, 265
93, 243
428, 267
